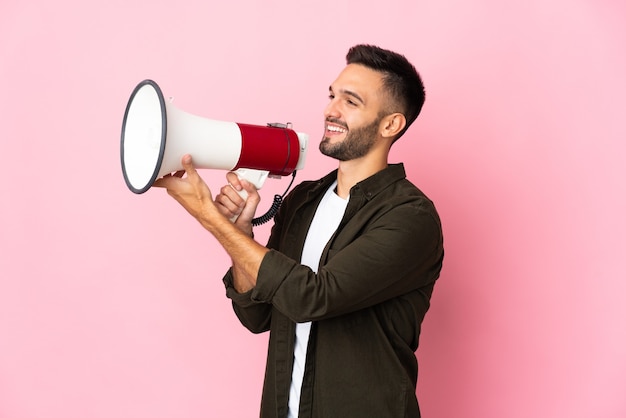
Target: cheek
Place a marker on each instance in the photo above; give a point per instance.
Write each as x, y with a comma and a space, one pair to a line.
358, 120
353, 120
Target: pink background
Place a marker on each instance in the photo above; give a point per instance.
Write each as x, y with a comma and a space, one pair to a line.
111, 304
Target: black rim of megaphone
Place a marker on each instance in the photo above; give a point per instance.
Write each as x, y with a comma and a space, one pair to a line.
157, 167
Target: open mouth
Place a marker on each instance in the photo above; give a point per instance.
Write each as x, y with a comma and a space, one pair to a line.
335, 129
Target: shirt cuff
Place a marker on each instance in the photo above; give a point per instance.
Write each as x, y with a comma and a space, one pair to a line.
274, 269
241, 299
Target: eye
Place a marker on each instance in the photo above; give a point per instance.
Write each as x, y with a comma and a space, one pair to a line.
331, 96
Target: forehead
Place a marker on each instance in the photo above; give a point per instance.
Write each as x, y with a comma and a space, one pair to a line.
359, 79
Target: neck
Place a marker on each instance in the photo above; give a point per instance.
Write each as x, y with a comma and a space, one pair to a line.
353, 171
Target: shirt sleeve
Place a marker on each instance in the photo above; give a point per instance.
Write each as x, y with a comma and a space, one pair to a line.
397, 252
255, 316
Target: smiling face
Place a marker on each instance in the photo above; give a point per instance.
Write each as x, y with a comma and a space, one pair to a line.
354, 113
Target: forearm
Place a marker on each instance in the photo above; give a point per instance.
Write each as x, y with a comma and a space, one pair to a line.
194, 195
243, 280
246, 254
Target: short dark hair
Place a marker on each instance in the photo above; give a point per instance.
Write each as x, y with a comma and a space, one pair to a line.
400, 78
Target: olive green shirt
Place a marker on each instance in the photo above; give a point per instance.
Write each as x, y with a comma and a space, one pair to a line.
367, 300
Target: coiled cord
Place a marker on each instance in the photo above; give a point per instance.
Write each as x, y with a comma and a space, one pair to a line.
273, 210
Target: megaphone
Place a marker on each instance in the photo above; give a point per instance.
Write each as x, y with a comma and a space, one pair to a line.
156, 135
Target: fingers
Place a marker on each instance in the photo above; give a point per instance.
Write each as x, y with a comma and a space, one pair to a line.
252, 201
238, 197
187, 187
185, 184
235, 190
188, 169
229, 201
234, 181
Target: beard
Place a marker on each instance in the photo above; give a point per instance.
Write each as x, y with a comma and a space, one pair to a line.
357, 143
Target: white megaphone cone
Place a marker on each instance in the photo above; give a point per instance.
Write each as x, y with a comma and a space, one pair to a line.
156, 135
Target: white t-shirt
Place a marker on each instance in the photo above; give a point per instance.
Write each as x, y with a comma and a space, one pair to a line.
324, 224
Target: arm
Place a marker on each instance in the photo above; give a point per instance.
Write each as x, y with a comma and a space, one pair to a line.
377, 256
236, 238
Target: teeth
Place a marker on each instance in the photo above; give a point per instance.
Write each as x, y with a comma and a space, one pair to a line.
333, 128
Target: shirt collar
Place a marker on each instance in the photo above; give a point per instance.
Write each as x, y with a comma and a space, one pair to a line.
379, 181
370, 186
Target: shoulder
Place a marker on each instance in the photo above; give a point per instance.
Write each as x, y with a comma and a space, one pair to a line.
404, 208
308, 189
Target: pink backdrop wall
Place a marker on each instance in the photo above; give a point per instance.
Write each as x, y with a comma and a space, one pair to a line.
111, 304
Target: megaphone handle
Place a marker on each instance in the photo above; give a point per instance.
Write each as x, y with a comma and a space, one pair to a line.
256, 177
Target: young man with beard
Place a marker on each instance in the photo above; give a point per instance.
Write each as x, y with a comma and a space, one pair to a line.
346, 277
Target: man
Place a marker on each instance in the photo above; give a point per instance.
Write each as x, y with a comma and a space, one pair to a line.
346, 277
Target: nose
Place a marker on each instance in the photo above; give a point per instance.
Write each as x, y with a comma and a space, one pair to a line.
332, 110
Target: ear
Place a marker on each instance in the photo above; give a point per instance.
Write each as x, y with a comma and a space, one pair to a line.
392, 125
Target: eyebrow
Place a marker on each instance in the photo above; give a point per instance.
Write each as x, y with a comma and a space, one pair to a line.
348, 93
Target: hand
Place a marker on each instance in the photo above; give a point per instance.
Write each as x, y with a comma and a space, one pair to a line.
191, 191
233, 205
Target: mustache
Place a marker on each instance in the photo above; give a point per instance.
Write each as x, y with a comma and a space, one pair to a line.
337, 122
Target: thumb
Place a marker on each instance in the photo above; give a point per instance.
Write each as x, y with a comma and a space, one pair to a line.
190, 170
186, 161
252, 200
